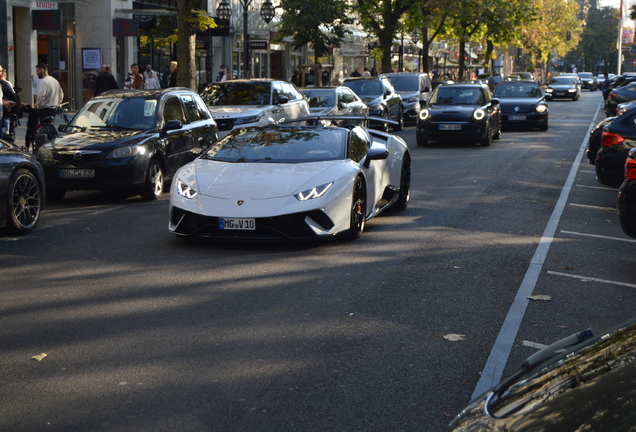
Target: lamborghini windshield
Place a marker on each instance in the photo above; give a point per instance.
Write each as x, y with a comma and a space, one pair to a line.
280, 145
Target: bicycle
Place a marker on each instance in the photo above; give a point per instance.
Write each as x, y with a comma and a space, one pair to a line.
46, 131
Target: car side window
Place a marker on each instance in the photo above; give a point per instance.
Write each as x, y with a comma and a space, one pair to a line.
278, 92
359, 145
204, 112
290, 92
344, 96
172, 110
191, 108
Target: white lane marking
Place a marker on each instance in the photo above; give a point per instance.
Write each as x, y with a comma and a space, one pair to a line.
598, 236
592, 279
593, 207
598, 187
106, 210
494, 367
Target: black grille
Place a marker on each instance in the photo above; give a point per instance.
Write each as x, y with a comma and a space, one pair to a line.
224, 124
291, 226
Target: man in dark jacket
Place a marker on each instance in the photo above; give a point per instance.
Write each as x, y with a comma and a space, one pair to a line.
105, 81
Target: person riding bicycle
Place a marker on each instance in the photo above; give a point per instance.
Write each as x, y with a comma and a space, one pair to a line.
50, 94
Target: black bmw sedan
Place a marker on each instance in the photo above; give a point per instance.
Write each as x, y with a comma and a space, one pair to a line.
565, 87
21, 190
460, 112
522, 104
131, 140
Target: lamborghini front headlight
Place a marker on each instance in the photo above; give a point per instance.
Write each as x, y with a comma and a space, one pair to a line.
312, 193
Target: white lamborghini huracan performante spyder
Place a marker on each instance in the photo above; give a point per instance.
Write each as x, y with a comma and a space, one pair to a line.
289, 181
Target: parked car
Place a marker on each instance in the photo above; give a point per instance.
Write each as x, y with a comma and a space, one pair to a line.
381, 98
460, 112
626, 201
584, 382
22, 189
288, 181
617, 139
624, 79
594, 142
253, 102
415, 89
522, 104
563, 87
588, 81
335, 101
130, 140
619, 95
524, 76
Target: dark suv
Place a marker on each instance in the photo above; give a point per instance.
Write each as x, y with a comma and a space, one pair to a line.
381, 98
131, 140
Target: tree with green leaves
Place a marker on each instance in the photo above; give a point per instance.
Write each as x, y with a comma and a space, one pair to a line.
598, 40
381, 18
556, 31
318, 23
428, 19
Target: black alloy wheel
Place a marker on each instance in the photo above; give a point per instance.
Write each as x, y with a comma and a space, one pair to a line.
153, 188
488, 138
405, 185
358, 211
24, 203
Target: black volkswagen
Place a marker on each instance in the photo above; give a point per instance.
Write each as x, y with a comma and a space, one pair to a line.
131, 140
522, 104
460, 112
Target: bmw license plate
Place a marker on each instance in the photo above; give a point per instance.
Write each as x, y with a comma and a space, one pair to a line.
77, 173
517, 118
450, 127
237, 224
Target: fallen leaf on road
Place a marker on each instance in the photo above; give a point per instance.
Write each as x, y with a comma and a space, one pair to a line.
454, 337
39, 357
540, 297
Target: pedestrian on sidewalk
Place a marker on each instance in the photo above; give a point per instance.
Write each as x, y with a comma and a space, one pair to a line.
105, 81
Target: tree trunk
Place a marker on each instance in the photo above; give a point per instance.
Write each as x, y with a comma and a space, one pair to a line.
187, 68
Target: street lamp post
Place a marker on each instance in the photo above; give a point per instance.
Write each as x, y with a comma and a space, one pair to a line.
224, 11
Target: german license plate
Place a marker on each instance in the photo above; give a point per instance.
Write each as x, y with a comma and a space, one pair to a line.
77, 173
560, 93
450, 127
517, 117
237, 224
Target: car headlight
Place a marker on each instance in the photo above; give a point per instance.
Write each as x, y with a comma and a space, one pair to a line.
312, 193
126, 151
425, 114
571, 90
413, 99
375, 107
185, 190
45, 152
479, 114
249, 119
548, 90
541, 108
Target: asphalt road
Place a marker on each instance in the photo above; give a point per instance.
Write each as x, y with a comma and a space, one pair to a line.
144, 331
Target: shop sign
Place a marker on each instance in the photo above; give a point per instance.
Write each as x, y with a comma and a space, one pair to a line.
46, 19
125, 27
258, 45
45, 5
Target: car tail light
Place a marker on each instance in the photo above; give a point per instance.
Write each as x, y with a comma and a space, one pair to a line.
611, 95
630, 169
609, 139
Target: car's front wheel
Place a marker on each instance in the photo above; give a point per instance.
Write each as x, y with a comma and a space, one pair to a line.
405, 184
153, 187
422, 140
398, 127
485, 142
358, 211
24, 202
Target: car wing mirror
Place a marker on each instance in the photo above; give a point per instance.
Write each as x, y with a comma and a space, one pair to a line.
426, 89
494, 102
375, 154
282, 100
342, 105
173, 125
